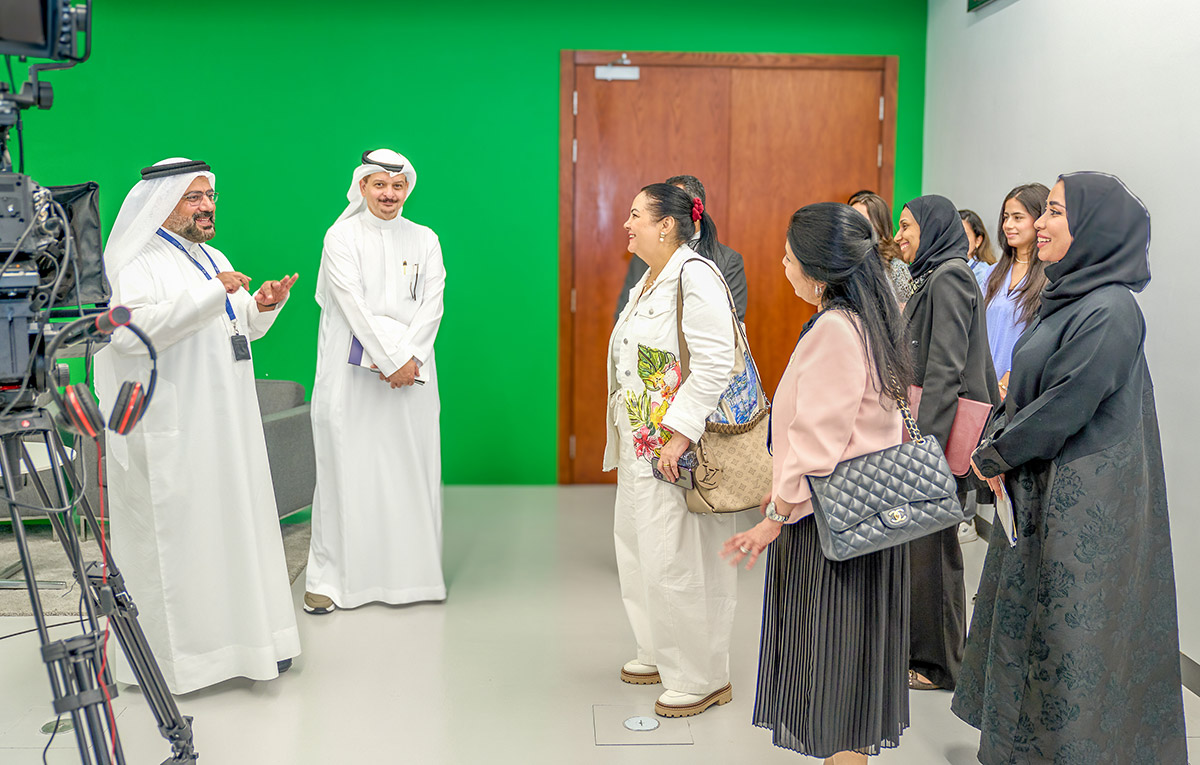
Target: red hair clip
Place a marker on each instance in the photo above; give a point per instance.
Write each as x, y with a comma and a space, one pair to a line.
697, 209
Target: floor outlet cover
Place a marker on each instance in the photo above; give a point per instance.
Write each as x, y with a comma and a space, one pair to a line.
622, 725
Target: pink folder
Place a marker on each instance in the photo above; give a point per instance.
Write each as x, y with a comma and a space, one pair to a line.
969, 421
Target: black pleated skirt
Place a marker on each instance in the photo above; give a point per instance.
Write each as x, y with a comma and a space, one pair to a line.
833, 660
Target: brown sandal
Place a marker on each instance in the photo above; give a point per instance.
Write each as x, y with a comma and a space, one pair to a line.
917, 684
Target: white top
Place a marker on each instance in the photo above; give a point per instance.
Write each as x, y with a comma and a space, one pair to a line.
644, 356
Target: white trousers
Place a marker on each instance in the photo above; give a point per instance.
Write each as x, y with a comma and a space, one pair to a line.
679, 593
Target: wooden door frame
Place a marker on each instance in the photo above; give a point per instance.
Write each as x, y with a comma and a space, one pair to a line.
568, 60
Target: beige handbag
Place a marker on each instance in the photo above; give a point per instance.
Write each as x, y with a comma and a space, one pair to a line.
733, 470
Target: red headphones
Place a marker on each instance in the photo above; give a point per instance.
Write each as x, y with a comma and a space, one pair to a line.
80, 412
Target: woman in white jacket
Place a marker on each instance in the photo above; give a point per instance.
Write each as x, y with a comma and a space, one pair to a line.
679, 597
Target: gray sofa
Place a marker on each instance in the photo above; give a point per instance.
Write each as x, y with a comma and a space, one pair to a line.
288, 428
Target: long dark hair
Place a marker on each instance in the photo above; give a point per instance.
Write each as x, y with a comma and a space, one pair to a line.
880, 216
667, 201
837, 247
983, 253
1032, 197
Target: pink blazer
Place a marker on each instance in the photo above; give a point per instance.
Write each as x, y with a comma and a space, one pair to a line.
826, 409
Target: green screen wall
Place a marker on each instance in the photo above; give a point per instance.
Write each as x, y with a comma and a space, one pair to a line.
281, 98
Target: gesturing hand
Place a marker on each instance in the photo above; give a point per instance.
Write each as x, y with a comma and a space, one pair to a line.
750, 544
273, 292
233, 281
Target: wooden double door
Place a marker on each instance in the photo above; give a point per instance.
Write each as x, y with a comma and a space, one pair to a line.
766, 134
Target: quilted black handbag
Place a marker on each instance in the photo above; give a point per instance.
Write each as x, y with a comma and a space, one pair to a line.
886, 498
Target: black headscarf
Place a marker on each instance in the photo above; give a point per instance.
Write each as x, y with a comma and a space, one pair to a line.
942, 234
1111, 232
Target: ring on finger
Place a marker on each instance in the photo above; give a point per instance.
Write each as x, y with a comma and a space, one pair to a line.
745, 550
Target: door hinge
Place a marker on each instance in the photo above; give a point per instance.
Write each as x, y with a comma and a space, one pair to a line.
881, 108
575, 103
572, 300
879, 156
571, 447
574, 150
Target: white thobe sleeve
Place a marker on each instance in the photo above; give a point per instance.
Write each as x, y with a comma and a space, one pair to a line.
708, 332
423, 329
165, 320
382, 337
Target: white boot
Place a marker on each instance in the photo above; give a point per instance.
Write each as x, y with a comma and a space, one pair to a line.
640, 674
680, 704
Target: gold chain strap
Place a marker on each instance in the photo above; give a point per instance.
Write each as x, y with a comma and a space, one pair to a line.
914, 433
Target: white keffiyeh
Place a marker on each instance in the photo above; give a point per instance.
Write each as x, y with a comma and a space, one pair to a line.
388, 157
144, 210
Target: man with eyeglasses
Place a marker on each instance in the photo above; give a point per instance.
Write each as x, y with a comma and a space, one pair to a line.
193, 518
377, 508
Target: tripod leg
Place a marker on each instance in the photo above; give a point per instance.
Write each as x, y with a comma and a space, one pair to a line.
89, 662
61, 676
19, 584
115, 602
93, 677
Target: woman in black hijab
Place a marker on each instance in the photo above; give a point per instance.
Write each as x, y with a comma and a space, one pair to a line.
1073, 654
950, 352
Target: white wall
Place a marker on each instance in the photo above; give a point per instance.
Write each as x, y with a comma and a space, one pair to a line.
1024, 90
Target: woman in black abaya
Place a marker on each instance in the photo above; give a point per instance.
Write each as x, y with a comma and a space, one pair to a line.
1073, 653
950, 352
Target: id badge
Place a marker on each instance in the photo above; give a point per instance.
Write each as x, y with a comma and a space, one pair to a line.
241, 347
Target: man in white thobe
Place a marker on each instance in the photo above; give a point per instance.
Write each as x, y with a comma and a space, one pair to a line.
377, 508
194, 525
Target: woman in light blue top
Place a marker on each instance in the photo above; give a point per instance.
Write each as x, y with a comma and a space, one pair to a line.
980, 256
1014, 287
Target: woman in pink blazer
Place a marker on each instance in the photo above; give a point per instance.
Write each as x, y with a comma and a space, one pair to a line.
833, 661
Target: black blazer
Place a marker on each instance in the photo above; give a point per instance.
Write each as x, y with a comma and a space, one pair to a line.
948, 330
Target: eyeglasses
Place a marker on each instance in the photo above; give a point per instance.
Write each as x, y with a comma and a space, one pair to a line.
195, 197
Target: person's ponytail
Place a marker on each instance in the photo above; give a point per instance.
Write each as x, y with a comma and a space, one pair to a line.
707, 246
667, 201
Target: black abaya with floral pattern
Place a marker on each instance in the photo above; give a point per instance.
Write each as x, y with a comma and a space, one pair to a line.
1073, 653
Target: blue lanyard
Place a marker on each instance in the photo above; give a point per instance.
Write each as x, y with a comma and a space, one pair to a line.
180, 247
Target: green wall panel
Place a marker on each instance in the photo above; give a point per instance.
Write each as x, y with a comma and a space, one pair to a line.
281, 98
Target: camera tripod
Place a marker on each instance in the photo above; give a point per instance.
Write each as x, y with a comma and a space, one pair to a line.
80, 679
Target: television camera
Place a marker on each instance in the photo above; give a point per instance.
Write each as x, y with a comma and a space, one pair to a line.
53, 295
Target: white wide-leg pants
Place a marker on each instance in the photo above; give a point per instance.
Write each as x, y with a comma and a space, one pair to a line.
679, 593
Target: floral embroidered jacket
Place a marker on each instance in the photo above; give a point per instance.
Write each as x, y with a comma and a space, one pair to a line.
643, 357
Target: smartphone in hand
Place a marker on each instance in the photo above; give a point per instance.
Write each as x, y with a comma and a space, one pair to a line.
686, 480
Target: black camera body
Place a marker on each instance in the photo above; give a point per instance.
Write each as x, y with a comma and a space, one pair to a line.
51, 266
50, 252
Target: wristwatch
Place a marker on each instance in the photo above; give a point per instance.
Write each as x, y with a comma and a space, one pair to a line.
774, 516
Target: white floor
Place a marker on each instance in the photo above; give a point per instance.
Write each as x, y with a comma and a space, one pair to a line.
510, 669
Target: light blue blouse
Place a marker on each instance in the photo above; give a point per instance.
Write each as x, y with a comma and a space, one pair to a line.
1004, 327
